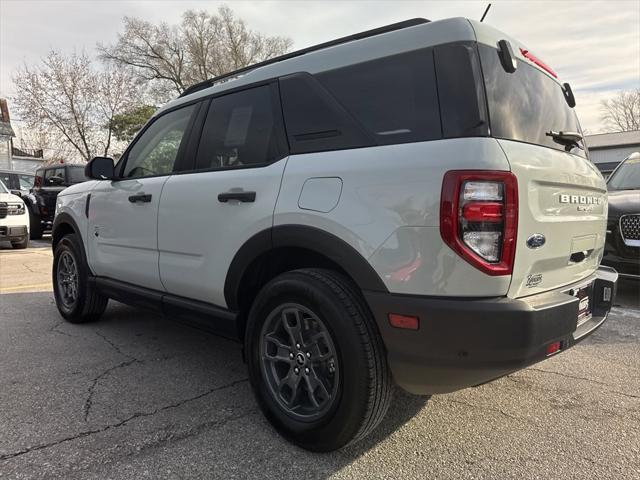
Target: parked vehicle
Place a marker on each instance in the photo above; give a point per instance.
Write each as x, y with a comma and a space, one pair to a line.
49, 182
14, 219
409, 205
17, 181
622, 250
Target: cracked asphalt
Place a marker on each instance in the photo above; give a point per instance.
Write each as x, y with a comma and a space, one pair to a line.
137, 395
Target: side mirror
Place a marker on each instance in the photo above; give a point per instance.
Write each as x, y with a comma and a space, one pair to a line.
18, 193
100, 168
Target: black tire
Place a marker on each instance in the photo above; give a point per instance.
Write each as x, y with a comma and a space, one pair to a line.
87, 304
35, 227
364, 388
21, 245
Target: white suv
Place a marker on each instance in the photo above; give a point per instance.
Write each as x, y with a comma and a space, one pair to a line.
14, 219
410, 205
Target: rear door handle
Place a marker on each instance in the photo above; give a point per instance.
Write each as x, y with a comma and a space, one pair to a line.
240, 196
141, 197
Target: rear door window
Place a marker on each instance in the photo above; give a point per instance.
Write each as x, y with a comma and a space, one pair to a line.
240, 130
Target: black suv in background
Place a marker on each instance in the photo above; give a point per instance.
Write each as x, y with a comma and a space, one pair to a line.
49, 182
622, 250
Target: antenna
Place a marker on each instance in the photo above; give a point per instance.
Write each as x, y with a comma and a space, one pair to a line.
485, 12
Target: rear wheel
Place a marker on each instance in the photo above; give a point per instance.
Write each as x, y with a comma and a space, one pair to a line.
77, 299
316, 360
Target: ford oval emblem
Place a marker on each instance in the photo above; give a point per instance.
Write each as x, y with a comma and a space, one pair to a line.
536, 240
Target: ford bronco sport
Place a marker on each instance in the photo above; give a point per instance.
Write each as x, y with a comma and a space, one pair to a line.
410, 205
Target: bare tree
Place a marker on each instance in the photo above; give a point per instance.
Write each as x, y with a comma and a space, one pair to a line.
622, 112
203, 46
68, 97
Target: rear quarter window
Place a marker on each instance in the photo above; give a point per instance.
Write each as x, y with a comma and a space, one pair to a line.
394, 98
385, 101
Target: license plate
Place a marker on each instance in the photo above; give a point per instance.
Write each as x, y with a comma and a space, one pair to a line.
584, 294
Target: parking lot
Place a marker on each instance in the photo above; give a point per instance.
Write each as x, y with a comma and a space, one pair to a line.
137, 395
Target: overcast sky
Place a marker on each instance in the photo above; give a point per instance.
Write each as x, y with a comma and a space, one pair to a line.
593, 45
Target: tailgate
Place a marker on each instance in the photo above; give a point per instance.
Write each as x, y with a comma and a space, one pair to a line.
563, 198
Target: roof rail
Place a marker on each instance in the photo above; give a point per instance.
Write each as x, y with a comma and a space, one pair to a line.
356, 36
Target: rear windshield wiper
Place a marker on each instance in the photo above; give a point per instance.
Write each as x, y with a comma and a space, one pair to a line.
568, 139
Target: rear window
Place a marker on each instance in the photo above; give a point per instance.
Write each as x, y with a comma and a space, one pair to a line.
526, 104
54, 177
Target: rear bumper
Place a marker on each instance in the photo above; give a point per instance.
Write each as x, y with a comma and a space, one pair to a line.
467, 342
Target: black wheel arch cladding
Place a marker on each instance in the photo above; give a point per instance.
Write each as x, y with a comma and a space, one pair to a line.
304, 237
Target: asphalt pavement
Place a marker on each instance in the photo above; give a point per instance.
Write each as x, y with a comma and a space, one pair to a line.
137, 395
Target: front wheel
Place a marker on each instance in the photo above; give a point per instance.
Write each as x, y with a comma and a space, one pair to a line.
316, 360
77, 299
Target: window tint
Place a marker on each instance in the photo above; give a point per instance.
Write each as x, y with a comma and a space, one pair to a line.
76, 175
394, 98
526, 104
155, 152
240, 129
461, 90
54, 177
315, 120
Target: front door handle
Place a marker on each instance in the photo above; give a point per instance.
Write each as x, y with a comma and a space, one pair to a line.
140, 197
240, 196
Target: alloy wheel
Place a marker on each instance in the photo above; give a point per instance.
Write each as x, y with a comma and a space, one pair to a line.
299, 361
67, 277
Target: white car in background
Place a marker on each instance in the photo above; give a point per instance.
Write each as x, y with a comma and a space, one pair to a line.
14, 219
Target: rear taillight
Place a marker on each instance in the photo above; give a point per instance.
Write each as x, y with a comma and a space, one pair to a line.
479, 218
